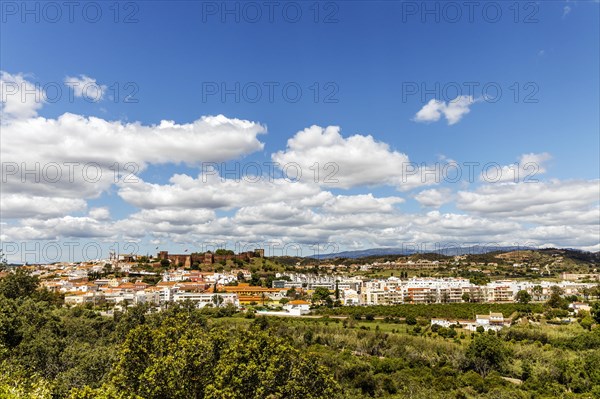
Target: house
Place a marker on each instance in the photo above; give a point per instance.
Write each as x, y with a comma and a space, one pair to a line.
493, 321
350, 297
205, 298
443, 322
578, 306
482, 320
298, 307
245, 289
140, 285
466, 324
496, 319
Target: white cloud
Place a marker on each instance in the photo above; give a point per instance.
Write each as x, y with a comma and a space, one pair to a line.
209, 208
25, 206
453, 110
527, 169
214, 192
533, 202
102, 213
450, 226
364, 203
75, 138
86, 87
78, 157
58, 228
349, 162
175, 216
278, 214
434, 197
566, 11
61, 162
19, 97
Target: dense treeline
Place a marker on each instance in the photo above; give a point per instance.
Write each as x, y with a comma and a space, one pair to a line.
49, 351
463, 311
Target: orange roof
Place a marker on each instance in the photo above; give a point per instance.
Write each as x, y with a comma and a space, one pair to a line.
125, 286
74, 293
166, 283
234, 288
299, 302
247, 298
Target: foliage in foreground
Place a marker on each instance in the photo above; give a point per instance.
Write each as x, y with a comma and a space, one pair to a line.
47, 351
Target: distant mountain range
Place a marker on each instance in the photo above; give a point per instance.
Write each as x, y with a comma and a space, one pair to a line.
450, 251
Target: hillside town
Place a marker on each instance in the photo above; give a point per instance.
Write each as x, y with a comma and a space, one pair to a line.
118, 282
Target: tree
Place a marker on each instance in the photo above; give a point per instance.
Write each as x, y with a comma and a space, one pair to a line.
17, 383
291, 293
430, 297
107, 268
537, 292
321, 295
240, 277
586, 293
3, 265
263, 298
169, 361
523, 297
466, 297
596, 312
217, 300
586, 321
445, 297
556, 301
19, 284
255, 279
486, 353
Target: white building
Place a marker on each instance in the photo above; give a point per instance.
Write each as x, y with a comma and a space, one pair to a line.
297, 307
203, 299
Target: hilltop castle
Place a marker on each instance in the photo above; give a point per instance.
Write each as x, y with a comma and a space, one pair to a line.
208, 258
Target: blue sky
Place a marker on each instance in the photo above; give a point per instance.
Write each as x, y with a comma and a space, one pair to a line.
363, 57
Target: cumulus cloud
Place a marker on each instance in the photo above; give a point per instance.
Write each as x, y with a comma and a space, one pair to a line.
57, 228
93, 153
362, 203
101, 213
86, 87
534, 202
528, 169
213, 192
14, 206
175, 216
78, 157
76, 138
19, 97
346, 162
453, 110
279, 214
445, 226
65, 160
434, 197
